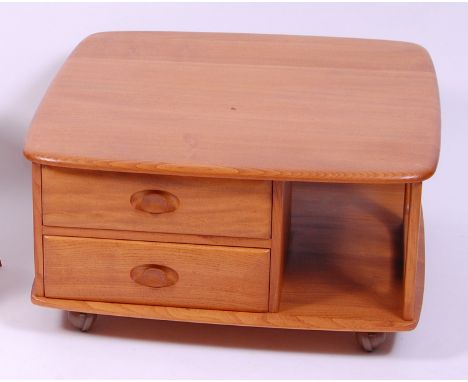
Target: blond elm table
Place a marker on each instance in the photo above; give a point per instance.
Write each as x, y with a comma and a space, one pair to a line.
256, 180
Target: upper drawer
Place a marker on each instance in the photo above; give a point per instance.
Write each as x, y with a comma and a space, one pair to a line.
170, 204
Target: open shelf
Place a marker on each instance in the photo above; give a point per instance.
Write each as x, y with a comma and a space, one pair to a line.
346, 251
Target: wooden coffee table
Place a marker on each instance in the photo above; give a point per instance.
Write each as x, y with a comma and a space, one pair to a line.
257, 180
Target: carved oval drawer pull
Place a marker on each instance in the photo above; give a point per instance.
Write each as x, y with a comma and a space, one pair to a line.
154, 276
154, 201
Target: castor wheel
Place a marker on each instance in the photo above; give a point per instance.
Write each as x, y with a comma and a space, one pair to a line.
370, 341
82, 321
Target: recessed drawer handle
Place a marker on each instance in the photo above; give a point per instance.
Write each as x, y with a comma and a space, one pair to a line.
154, 276
154, 201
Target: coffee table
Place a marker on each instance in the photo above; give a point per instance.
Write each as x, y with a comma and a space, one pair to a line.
257, 180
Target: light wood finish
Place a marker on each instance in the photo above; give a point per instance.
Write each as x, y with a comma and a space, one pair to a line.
132, 215
243, 106
37, 224
406, 216
420, 271
101, 200
208, 277
411, 228
345, 259
154, 276
269, 320
154, 201
341, 274
280, 223
155, 236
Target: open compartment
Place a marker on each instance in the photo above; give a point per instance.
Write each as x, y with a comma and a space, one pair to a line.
345, 257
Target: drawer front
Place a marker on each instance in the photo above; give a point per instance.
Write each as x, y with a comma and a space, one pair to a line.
166, 204
138, 272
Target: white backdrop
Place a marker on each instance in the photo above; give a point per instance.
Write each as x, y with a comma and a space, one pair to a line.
38, 342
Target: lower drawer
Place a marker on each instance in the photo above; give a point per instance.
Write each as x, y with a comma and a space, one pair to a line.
183, 275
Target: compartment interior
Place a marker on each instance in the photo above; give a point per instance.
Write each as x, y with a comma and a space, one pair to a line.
345, 255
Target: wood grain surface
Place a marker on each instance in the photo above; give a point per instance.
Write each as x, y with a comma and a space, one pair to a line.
208, 277
344, 270
37, 227
280, 227
346, 257
243, 106
411, 228
102, 200
155, 236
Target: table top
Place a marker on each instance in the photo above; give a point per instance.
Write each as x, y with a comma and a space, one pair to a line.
291, 108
